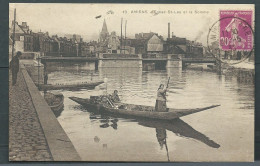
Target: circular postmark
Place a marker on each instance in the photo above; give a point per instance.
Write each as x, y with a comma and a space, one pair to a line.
231, 40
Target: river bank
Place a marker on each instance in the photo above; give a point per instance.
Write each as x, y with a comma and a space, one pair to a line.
26, 137
35, 133
244, 71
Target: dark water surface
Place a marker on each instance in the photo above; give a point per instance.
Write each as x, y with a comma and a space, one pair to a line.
224, 133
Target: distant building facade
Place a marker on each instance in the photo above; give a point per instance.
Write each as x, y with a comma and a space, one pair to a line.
113, 43
108, 43
154, 44
73, 44
87, 49
18, 36
69, 45
23, 37
28, 42
177, 45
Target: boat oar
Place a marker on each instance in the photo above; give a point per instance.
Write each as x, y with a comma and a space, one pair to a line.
166, 147
168, 82
167, 87
110, 102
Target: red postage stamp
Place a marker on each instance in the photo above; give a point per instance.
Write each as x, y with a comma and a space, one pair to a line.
236, 30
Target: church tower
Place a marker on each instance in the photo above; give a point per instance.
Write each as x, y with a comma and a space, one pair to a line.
104, 33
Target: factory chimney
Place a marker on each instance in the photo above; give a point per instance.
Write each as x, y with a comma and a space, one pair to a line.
169, 30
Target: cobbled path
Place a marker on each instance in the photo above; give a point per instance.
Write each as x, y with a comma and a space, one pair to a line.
26, 138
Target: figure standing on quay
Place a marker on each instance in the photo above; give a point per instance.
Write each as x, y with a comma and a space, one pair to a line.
14, 66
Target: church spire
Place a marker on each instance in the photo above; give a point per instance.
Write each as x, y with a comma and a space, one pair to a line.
104, 28
104, 32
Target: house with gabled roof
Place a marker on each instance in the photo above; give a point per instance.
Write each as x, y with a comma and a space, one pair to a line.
18, 37
23, 37
154, 44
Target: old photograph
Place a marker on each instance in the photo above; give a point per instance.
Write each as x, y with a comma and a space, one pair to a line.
131, 82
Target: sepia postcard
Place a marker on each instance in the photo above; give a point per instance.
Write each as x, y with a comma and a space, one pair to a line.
131, 82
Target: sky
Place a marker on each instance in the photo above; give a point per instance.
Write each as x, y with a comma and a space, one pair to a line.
190, 21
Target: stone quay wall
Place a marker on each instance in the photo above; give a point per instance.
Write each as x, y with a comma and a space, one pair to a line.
26, 137
35, 133
243, 75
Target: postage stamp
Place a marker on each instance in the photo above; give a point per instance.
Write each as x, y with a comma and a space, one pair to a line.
235, 30
232, 36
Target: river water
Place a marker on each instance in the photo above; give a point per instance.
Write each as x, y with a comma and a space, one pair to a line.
224, 133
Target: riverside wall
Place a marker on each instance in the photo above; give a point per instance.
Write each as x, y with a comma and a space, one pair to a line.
59, 145
243, 75
26, 137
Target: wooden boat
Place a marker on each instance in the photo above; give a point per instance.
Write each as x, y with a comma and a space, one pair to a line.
87, 85
139, 110
54, 100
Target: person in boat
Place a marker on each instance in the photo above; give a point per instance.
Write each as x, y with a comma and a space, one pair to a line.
160, 105
115, 97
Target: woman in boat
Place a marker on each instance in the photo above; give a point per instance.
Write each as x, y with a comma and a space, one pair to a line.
160, 105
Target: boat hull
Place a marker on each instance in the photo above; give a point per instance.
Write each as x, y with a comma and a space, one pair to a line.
49, 97
140, 110
90, 85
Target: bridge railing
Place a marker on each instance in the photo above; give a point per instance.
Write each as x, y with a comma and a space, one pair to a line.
119, 56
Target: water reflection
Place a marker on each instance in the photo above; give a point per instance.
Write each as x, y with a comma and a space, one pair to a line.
177, 126
68, 66
180, 128
161, 137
